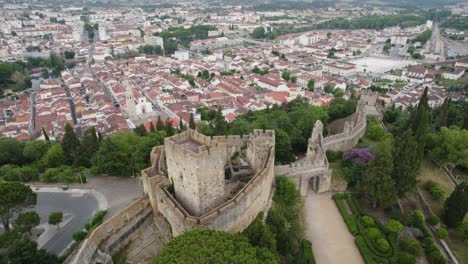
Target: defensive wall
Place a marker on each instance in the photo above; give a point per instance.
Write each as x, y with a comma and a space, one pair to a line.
236, 213
312, 172
90, 250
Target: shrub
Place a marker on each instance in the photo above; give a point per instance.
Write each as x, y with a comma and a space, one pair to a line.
405, 258
394, 226
373, 234
434, 189
334, 155
367, 221
364, 250
382, 245
98, 218
433, 220
462, 231
374, 130
306, 256
417, 218
435, 257
349, 220
441, 233
79, 235
411, 246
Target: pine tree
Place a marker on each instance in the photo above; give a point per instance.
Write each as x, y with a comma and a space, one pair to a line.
70, 144
160, 125
219, 123
420, 125
405, 167
181, 124
46, 137
192, 124
376, 186
442, 122
169, 128
152, 128
100, 137
456, 206
140, 130
89, 146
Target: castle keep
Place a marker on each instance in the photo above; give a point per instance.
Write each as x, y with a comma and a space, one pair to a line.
220, 182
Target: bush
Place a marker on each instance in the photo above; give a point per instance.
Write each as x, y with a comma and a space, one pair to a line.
382, 245
411, 246
441, 233
374, 130
79, 235
334, 155
364, 250
417, 218
349, 220
394, 226
98, 218
306, 256
433, 220
462, 231
373, 234
435, 190
367, 221
406, 258
435, 257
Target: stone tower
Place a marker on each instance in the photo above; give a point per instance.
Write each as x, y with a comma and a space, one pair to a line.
195, 165
315, 141
130, 102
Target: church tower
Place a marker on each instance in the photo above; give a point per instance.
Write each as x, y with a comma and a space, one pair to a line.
130, 102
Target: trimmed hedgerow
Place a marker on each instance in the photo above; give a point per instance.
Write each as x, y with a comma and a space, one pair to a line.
349, 219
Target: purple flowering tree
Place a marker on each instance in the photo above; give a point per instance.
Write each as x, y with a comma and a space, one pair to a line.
361, 156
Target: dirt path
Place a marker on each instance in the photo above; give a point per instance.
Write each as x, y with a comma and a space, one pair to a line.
324, 227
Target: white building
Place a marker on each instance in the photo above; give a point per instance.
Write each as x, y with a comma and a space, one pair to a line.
182, 55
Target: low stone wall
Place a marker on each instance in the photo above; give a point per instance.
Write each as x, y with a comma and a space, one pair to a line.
89, 247
233, 215
346, 140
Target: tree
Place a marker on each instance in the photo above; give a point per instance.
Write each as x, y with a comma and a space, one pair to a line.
462, 231
192, 124
220, 126
450, 147
89, 146
36, 149
69, 54
211, 246
54, 156
152, 128
310, 85
11, 151
26, 221
286, 75
443, 118
140, 130
70, 145
25, 251
258, 33
376, 186
181, 124
46, 137
293, 79
55, 218
405, 165
13, 197
160, 125
420, 124
394, 226
456, 206
169, 128
260, 235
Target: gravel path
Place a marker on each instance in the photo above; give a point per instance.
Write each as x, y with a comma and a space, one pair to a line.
324, 227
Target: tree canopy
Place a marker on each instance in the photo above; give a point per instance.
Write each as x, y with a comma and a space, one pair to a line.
211, 246
13, 197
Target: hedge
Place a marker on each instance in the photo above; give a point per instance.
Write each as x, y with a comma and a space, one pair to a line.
349, 220
307, 256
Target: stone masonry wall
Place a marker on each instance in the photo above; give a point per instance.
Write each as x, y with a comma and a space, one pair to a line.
89, 247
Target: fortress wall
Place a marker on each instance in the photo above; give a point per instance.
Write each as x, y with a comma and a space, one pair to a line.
346, 140
91, 244
234, 215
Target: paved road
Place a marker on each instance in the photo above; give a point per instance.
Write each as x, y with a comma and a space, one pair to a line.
77, 207
324, 227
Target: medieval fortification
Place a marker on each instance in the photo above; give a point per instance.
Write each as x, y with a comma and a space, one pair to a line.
219, 182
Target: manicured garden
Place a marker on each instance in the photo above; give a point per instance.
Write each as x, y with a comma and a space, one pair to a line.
380, 243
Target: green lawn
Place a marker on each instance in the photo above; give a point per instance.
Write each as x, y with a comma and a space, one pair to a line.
337, 174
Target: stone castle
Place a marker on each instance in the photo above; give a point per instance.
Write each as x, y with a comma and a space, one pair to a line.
220, 182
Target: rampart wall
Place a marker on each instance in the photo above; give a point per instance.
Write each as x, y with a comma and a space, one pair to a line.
90, 246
